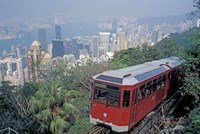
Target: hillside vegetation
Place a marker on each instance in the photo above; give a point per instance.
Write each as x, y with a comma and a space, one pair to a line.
61, 104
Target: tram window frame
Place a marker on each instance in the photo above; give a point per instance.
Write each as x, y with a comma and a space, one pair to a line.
126, 99
133, 96
141, 93
150, 87
101, 91
155, 83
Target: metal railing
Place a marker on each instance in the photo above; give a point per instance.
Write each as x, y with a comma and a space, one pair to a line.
9, 130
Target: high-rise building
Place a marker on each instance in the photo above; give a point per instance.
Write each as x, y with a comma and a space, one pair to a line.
160, 35
58, 31
42, 37
114, 26
155, 36
34, 59
94, 46
121, 41
101, 52
11, 70
113, 43
104, 41
57, 48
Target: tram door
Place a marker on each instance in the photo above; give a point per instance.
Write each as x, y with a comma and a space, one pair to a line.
174, 80
133, 110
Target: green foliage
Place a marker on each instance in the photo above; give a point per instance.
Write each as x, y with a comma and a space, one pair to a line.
77, 77
196, 12
80, 126
194, 123
170, 47
192, 68
51, 108
14, 108
182, 39
192, 85
134, 56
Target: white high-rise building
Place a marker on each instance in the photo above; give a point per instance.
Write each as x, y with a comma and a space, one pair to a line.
160, 35
104, 41
11, 70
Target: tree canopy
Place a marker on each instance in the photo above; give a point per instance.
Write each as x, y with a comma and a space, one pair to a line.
51, 108
196, 12
134, 56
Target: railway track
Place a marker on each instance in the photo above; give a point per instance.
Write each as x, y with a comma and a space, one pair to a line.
98, 130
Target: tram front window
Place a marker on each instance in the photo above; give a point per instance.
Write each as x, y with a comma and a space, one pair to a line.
107, 94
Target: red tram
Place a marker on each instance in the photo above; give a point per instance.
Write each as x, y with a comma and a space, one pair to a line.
123, 97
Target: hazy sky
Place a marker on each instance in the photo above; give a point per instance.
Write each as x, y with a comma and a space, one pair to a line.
137, 8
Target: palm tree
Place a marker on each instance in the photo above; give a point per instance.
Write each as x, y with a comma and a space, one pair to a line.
51, 108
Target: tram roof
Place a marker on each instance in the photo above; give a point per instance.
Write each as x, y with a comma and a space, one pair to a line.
138, 73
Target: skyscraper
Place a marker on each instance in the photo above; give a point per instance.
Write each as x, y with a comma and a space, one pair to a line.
104, 41
42, 37
94, 46
34, 58
121, 41
58, 31
57, 48
155, 36
114, 26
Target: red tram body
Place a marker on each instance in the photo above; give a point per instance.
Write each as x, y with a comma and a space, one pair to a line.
123, 97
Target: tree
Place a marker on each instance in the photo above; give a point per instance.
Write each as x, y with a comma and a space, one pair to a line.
170, 47
78, 76
14, 108
134, 56
192, 122
51, 108
192, 68
195, 13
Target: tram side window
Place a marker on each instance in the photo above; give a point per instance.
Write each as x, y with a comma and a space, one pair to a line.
159, 82
155, 82
141, 92
126, 98
150, 87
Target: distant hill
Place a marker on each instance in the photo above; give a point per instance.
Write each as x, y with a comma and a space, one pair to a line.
174, 45
181, 39
165, 19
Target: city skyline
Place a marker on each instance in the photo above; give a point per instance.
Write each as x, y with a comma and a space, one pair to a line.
89, 8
